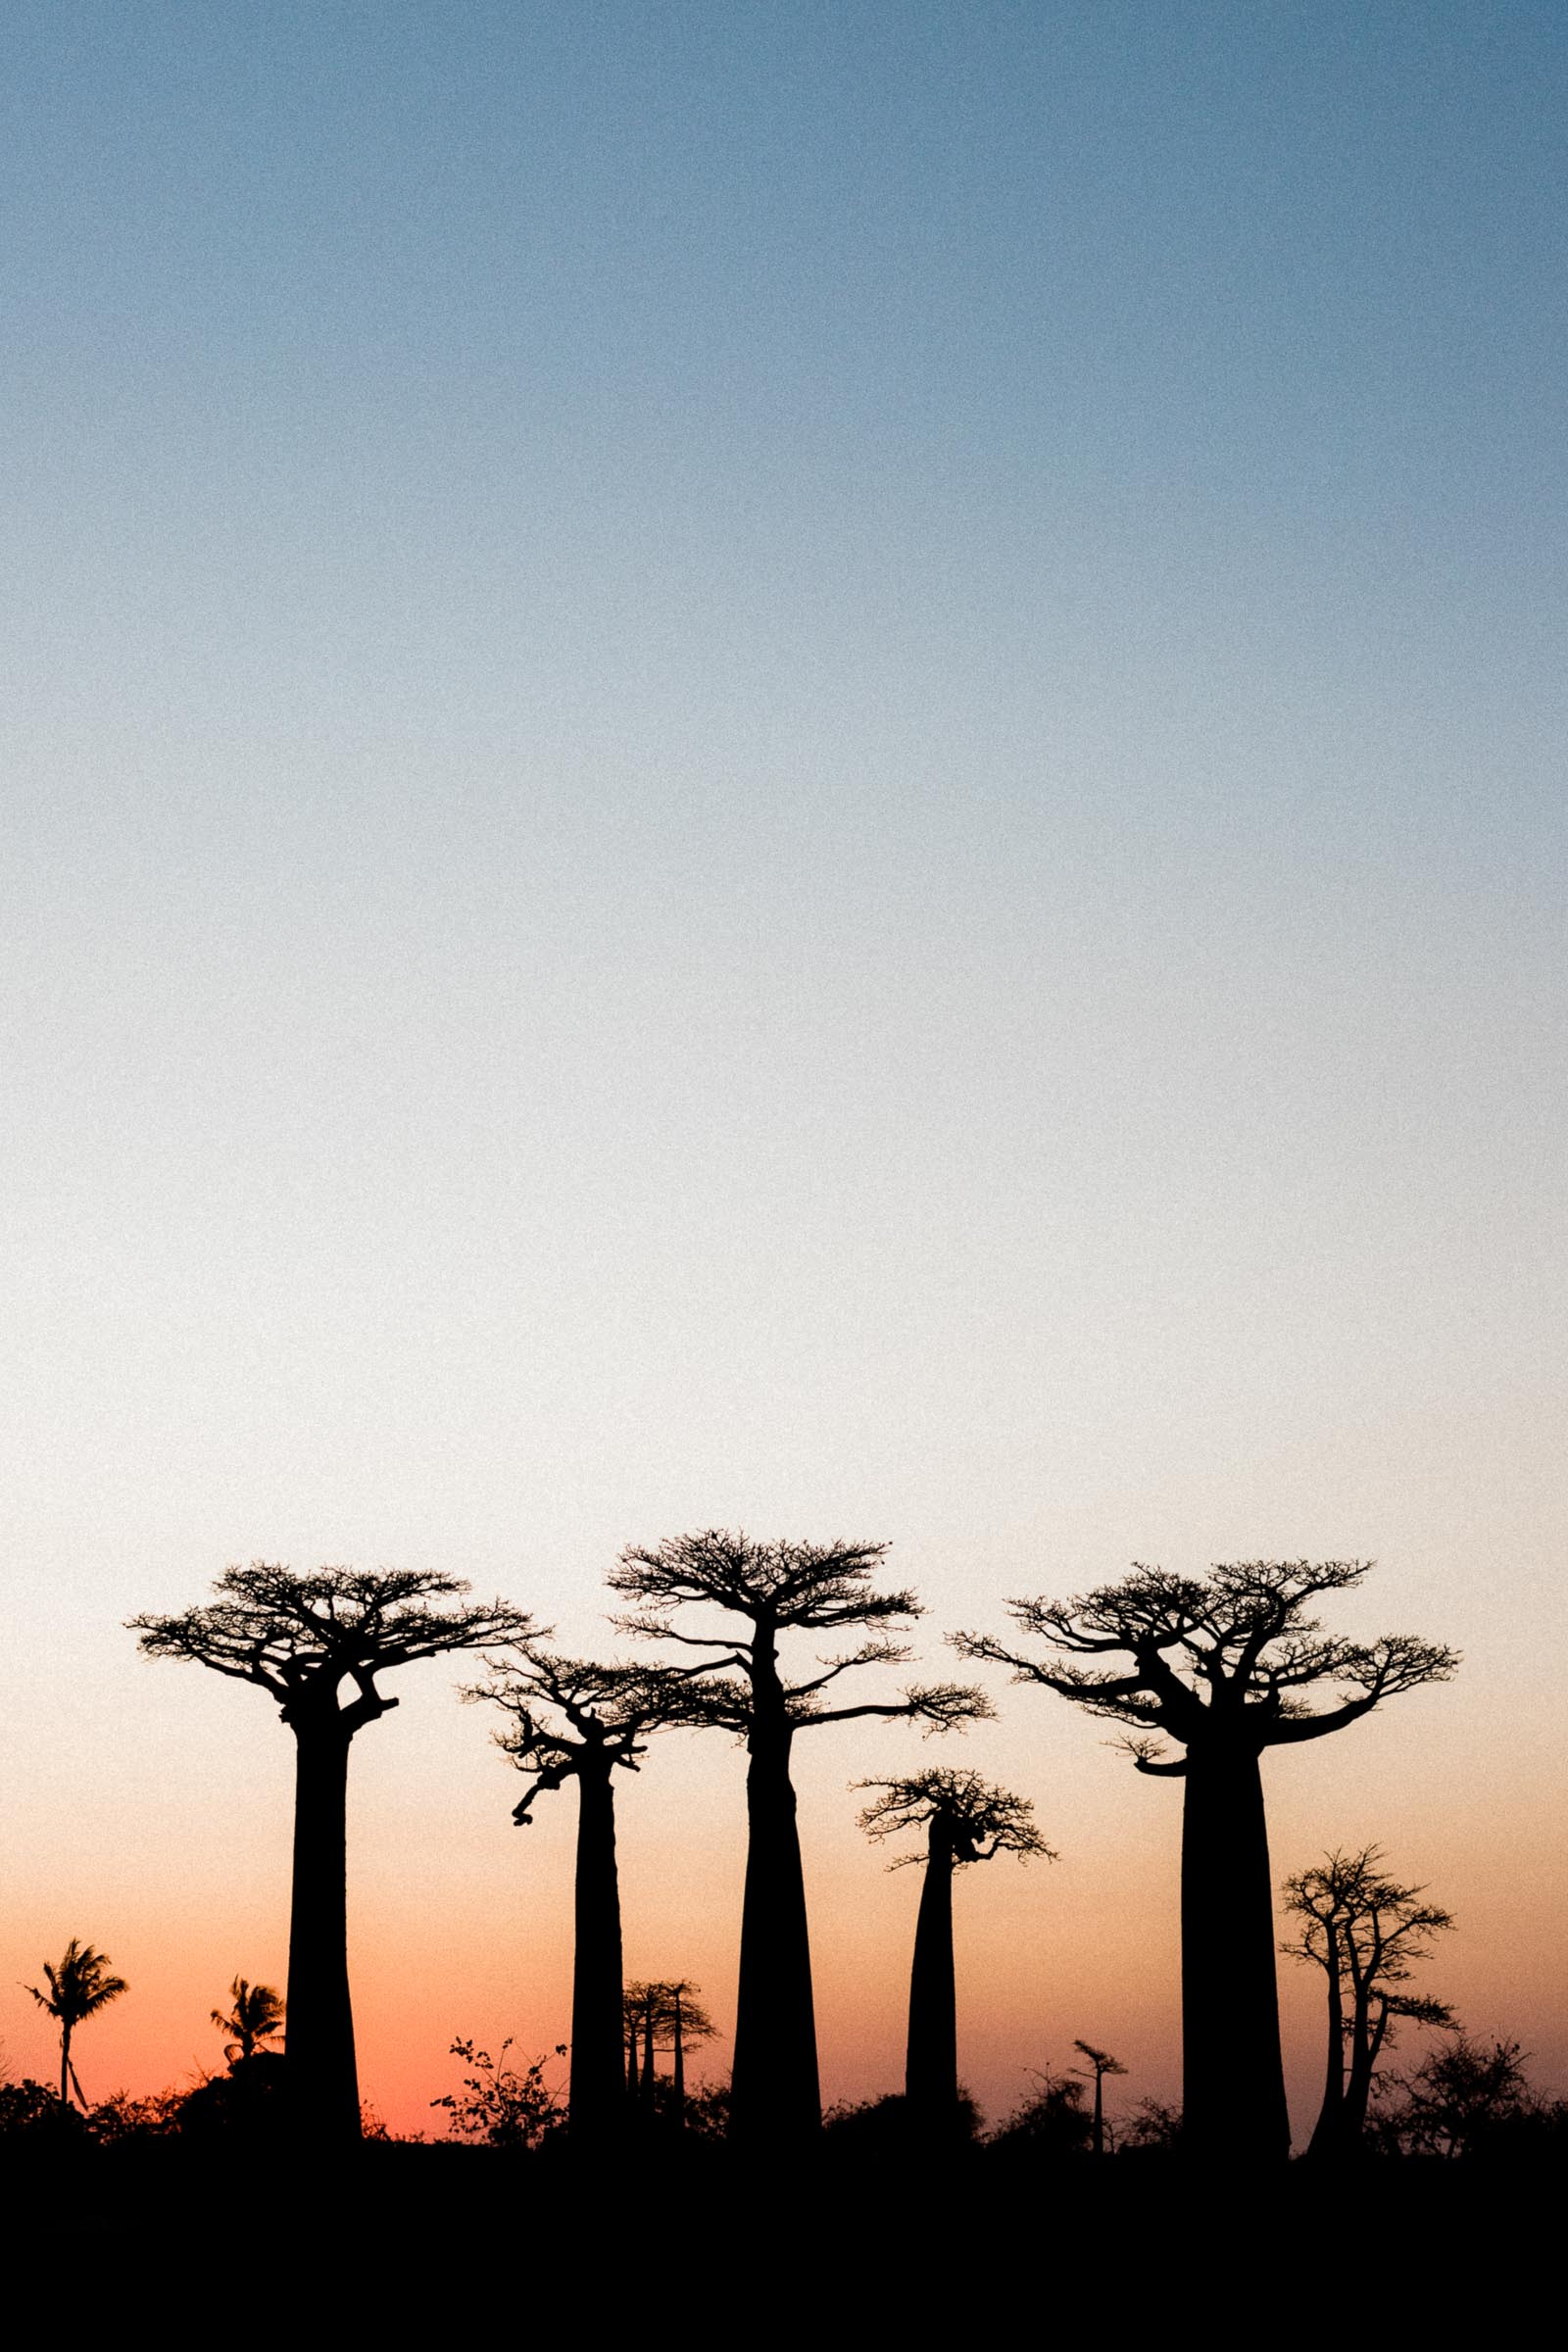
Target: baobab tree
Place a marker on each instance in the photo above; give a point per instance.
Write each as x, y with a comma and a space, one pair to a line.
1366, 1932
1219, 1664
569, 1719
776, 1589
300, 1638
665, 2016
1101, 2063
965, 1820
254, 2016
80, 1984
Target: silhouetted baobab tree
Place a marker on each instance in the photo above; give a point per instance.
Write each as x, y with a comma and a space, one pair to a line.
571, 1720
255, 2016
1219, 1664
1366, 1932
1101, 2063
965, 1820
666, 2016
776, 1589
300, 1638
79, 1985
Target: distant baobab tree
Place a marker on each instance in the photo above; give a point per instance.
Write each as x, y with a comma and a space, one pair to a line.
1219, 1664
1101, 2063
254, 2016
569, 1719
965, 1819
300, 1638
80, 1984
665, 2016
776, 1589
1366, 1932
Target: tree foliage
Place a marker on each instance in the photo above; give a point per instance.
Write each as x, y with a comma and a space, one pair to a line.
500, 2105
1229, 1655
302, 1637
979, 1819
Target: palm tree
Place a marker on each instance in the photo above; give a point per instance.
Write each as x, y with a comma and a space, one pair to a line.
255, 2017
78, 1987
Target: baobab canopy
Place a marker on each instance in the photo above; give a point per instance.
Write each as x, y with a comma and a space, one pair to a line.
1224, 1656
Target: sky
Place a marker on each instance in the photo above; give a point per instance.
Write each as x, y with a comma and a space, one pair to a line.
787, 765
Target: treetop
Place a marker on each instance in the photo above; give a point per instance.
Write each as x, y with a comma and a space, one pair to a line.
1226, 1655
981, 1819
298, 1634
774, 1584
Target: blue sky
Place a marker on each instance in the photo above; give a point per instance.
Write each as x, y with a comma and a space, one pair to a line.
793, 764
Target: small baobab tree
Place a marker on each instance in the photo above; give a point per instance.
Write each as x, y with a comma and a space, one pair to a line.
965, 1819
569, 1719
80, 1984
1220, 1664
1101, 2063
775, 1589
666, 2016
254, 2016
300, 1638
1366, 1932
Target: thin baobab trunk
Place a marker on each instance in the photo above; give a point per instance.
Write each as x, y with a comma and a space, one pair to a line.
776, 2091
931, 2060
649, 2075
597, 2093
318, 2044
1234, 2081
1328, 2132
1097, 2136
678, 2069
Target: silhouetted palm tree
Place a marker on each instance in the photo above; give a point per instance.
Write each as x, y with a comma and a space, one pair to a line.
776, 1589
965, 1820
1220, 1664
79, 1985
256, 2016
300, 1638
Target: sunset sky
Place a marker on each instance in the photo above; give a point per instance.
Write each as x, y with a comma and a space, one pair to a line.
796, 765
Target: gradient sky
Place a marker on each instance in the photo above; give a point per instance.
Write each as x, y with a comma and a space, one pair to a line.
792, 764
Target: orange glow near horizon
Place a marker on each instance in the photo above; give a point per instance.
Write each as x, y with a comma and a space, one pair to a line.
460, 1922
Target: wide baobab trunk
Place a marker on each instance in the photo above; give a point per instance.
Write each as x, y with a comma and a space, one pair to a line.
1328, 2132
596, 2092
1234, 2083
774, 2087
931, 2058
318, 2041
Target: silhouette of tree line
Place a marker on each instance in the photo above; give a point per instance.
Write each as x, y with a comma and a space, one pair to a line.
1224, 1667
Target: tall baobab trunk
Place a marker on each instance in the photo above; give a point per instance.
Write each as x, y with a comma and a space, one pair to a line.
775, 2086
931, 2059
678, 2073
1328, 2132
318, 2042
597, 2091
1097, 2138
1234, 2082
631, 2061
